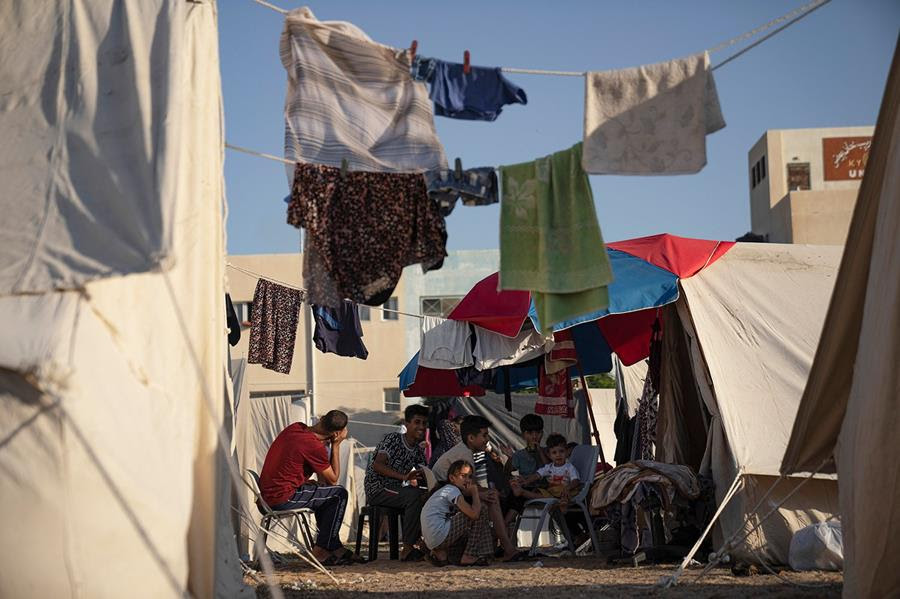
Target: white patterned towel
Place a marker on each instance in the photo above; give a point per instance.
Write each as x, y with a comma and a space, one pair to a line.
650, 120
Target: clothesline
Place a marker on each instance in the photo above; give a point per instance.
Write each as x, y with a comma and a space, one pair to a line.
791, 18
257, 275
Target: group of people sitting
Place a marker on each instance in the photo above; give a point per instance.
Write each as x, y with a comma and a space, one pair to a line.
478, 495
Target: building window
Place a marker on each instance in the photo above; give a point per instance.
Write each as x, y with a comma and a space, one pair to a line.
798, 176
244, 311
392, 400
753, 177
762, 168
757, 172
439, 306
364, 312
391, 304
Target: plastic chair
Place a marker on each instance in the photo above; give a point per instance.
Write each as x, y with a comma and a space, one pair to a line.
584, 458
374, 513
268, 514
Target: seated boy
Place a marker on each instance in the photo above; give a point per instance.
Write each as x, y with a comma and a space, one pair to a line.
560, 475
526, 462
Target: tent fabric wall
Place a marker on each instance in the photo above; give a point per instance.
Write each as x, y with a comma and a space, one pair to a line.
850, 407
748, 326
758, 314
92, 122
108, 465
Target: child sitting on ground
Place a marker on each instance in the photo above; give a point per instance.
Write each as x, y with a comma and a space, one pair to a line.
560, 475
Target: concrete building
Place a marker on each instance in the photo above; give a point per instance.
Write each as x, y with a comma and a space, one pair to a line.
803, 183
366, 389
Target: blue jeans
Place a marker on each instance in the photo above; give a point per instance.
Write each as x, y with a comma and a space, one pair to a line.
328, 503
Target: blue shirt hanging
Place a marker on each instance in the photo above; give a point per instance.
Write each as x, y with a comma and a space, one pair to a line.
477, 96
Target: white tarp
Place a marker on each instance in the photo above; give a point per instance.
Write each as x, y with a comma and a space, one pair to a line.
92, 112
758, 313
110, 396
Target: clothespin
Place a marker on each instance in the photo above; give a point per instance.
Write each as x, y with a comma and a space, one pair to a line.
467, 68
459, 169
344, 166
412, 49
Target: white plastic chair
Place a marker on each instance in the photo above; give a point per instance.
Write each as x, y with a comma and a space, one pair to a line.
584, 458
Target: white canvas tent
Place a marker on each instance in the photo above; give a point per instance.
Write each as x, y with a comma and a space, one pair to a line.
112, 387
738, 345
850, 414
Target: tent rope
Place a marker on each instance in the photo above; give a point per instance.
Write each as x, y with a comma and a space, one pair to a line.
794, 16
671, 580
730, 543
295, 287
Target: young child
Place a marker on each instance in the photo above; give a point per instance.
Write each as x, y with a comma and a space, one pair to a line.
526, 462
447, 518
560, 474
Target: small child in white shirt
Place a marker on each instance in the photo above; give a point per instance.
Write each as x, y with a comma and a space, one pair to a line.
560, 475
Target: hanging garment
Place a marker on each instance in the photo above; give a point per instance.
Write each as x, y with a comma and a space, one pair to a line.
562, 354
338, 331
350, 97
550, 240
554, 394
362, 229
650, 120
273, 326
234, 325
474, 186
648, 406
445, 344
479, 95
493, 350
470, 375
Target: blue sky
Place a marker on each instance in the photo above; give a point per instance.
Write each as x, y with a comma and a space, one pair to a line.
827, 70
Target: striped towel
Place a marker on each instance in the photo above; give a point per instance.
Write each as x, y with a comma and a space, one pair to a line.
350, 97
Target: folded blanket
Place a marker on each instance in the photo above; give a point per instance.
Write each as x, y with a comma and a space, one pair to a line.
550, 240
650, 120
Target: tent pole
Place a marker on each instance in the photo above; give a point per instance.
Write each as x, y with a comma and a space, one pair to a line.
590, 408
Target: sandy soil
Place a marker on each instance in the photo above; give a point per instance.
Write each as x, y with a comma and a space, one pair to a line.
558, 578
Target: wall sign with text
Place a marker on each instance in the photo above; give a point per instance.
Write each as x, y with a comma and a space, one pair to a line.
845, 158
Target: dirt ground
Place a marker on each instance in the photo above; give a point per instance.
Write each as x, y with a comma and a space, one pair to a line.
581, 577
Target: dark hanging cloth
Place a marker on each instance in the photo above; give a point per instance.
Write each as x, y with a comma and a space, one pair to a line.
648, 406
234, 325
338, 331
273, 326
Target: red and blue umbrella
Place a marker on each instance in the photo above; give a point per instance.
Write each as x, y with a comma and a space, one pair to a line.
645, 271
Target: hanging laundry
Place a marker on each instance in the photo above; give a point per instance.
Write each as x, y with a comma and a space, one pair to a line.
470, 375
273, 326
476, 187
445, 344
563, 354
493, 350
554, 394
361, 230
550, 240
650, 120
349, 97
478, 96
339, 331
234, 325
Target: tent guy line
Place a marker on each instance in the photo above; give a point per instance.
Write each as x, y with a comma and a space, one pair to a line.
794, 16
292, 286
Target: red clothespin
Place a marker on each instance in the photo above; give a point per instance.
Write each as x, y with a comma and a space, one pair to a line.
467, 68
412, 49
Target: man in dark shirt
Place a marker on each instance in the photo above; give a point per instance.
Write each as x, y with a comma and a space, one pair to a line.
397, 460
297, 453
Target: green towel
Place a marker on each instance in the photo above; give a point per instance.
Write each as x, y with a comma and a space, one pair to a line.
550, 241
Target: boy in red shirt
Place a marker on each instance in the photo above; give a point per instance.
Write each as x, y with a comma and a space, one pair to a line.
296, 454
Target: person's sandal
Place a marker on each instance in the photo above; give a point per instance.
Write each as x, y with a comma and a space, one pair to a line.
348, 558
479, 563
414, 555
434, 561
